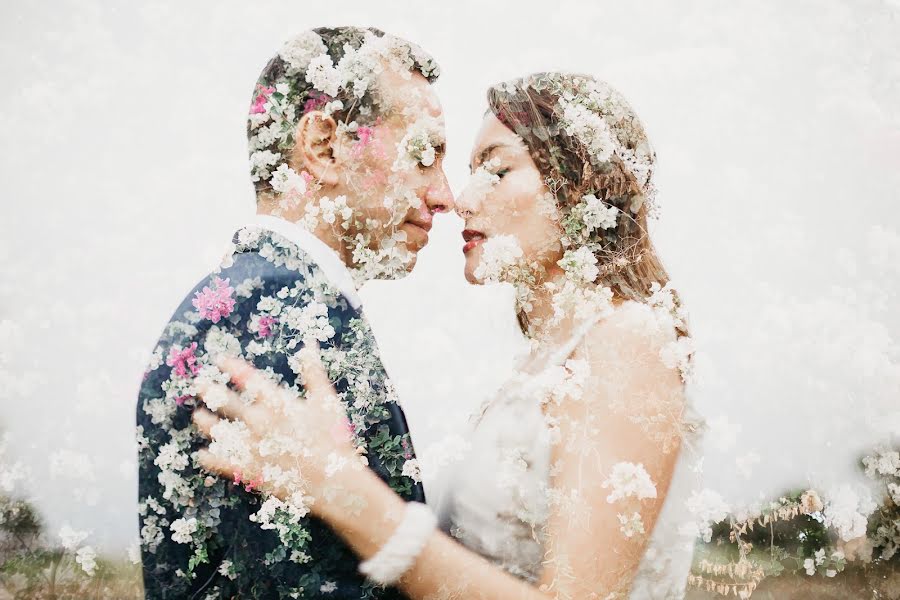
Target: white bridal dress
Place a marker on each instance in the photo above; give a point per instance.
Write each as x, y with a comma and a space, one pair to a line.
496, 500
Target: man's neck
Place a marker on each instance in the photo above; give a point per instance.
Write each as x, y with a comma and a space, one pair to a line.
325, 232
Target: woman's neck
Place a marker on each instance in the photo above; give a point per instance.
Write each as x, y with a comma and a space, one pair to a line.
540, 322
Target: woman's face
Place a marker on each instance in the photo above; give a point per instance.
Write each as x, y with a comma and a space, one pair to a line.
507, 197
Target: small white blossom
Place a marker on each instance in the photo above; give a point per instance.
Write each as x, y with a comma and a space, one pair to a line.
499, 253
182, 530
71, 538
847, 512
86, 557
322, 75
287, 181
631, 525
580, 265
413, 470
300, 50
596, 214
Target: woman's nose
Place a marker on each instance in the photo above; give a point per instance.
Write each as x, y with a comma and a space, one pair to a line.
468, 202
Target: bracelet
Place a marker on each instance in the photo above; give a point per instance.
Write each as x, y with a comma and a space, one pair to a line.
400, 551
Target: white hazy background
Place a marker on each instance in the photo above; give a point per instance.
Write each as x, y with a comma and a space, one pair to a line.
777, 126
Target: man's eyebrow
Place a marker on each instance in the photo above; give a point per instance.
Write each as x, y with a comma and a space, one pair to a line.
482, 156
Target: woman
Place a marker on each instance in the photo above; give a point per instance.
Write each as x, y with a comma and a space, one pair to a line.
576, 482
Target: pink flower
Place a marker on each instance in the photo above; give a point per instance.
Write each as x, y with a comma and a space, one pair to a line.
316, 102
259, 102
214, 304
368, 139
182, 359
249, 484
407, 451
265, 325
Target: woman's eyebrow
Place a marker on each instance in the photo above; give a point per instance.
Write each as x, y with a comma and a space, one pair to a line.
482, 156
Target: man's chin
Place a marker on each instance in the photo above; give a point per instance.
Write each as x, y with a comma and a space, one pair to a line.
411, 264
416, 237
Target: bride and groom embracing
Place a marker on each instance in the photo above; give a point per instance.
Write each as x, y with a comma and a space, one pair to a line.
275, 461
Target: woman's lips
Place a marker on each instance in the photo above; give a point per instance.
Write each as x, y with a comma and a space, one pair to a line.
472, 239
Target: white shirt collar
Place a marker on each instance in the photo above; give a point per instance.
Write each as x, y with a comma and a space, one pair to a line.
321, 253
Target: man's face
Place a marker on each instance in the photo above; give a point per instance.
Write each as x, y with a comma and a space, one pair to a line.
395, 180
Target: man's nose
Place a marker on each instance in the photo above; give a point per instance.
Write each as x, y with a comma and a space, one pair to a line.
438, 197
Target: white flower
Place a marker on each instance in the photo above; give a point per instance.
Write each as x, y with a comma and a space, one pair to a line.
418, 145
894, 491
499, 253
413, 470
328, 587
182, 530
231, 442
678, 354
482, 182
249, 236
708, 507
629, 479
580, 265
310, 321
225, 569
596, 214
331, 209
335, 464
322, 75
885, 463
590, 129
630, 525
260, 163
286, 181
71, 538
170, 457
810, 566
87, 558
160, 410
848, 512
299, 51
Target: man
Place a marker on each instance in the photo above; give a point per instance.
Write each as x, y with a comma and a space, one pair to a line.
346, 146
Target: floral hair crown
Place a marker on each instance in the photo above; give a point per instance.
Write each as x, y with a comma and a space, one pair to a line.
602, 122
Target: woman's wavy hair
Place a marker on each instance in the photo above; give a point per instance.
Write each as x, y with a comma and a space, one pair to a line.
530, 106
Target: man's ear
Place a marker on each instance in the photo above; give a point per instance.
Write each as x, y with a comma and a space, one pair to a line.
316, 147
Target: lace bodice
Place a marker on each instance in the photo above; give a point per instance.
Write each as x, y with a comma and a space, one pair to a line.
497, 498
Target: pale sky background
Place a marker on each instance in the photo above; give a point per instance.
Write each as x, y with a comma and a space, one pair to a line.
777, 127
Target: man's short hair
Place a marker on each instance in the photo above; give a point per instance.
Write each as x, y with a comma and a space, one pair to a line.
333, 69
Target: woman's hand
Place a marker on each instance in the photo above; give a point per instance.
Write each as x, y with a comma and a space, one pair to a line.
270, 439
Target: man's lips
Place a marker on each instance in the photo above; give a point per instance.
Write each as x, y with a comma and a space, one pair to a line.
426, 226
472, 239
419, 232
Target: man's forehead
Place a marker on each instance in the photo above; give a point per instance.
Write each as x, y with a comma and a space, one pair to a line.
409, 94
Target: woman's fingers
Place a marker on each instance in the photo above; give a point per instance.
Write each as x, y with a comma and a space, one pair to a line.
251, 381
205, 420
315, 379
243, 374
215, 464
219, 398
